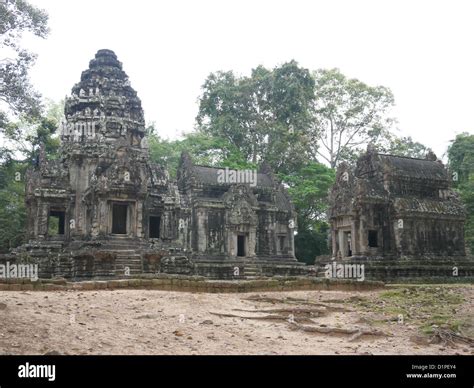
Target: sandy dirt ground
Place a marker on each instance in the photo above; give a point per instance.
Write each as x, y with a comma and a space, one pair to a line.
171, 323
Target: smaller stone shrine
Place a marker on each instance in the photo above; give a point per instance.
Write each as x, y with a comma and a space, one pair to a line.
400, 217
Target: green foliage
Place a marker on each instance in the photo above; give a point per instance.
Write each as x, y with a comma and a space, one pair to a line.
461, 157
16, 18
467, 195
12, 205
26, 135
308, 188
461, 164
20, 100
264, 116
313, 242
205, 150
165, 153
53, 226
23, 139
349, 115
406, 146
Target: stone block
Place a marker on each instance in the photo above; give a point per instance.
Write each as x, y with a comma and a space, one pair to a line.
119, 283
15, 286
53, 287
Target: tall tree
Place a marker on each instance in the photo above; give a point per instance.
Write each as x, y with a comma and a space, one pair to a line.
24, 136
308, 189
349, 114
20, 110
17, 95
405, 146
461, 164
461, 158
205, 150
22, 140
265, 115
12, 204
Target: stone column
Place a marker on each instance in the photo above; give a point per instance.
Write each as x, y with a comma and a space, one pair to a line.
139, 219
231, 243
132, 219
252, 242
201, 230
354, 242
291, 243
342, 245
334, 241
43, 220
30, 224
104, 218
397, 237
363, 237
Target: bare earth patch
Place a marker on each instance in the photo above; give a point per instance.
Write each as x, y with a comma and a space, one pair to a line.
402, 320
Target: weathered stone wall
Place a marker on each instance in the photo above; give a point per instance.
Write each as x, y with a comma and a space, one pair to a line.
194, 284
431, 236
426, 269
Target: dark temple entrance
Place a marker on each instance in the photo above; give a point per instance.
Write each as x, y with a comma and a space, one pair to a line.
373, 243
240, 245
119, 219
56, 222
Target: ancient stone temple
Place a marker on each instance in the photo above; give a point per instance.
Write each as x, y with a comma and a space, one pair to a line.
104, 209
399, 215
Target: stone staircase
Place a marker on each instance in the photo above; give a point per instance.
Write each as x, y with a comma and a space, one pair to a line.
119, 244
251, 270
128, 259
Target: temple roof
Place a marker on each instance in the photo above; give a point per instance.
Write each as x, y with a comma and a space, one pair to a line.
105, 58
414, 168
105, 100
415, 206
209, 175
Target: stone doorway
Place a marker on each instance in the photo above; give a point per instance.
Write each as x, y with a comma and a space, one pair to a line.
119, 218
56, 222
241, 245
373, 239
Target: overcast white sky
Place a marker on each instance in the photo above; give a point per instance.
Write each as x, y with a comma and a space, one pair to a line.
422, 50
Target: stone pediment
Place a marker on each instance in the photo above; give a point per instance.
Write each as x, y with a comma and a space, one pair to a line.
241, 202
122, 172
158, 175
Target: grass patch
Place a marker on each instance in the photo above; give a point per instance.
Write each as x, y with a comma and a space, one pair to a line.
425, 306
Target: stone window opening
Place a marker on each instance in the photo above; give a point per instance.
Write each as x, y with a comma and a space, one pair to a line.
119, 218
373, 239
56, 222
154, 226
